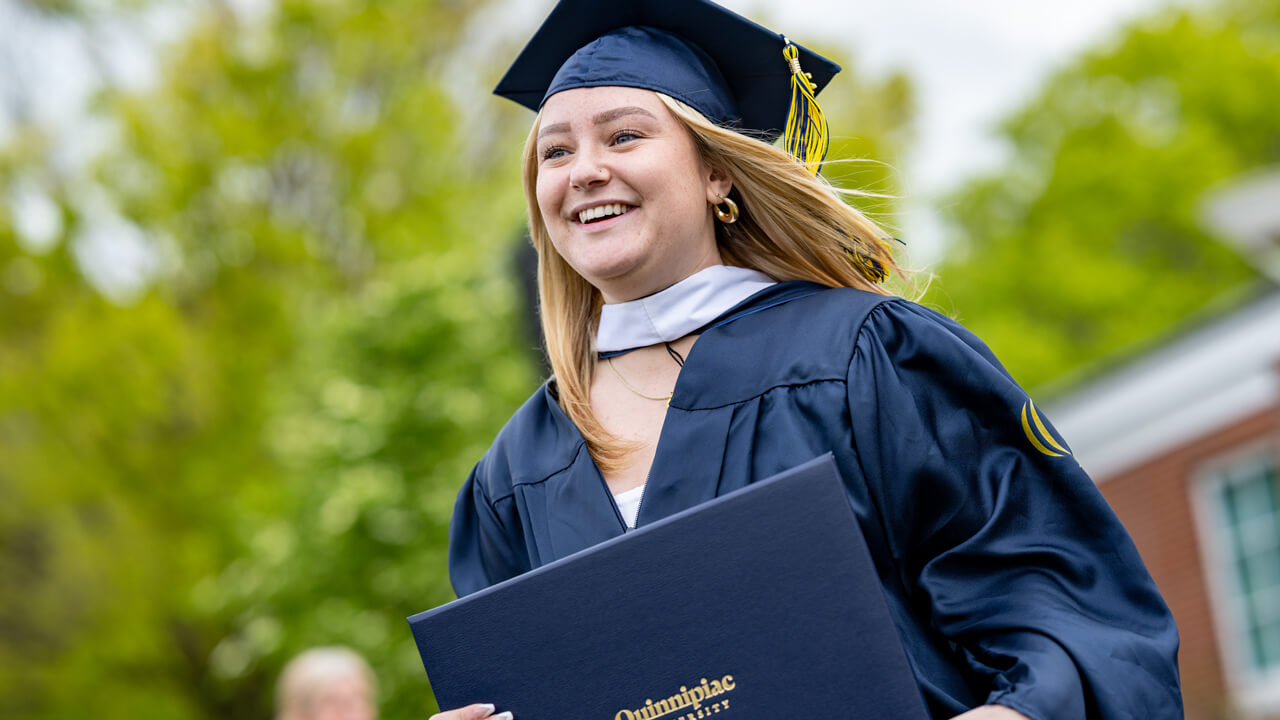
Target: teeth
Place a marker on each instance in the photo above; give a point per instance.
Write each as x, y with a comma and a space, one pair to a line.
600, 211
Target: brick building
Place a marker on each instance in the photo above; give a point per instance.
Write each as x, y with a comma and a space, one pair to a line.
1184, 441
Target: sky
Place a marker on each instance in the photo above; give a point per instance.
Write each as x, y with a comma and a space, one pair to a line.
972, 63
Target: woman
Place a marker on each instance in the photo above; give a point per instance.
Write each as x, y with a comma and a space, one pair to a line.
714, 315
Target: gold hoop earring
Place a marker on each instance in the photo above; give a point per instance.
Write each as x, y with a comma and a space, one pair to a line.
728, 217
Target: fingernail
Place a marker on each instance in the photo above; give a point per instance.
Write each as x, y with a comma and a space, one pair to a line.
503, 716
488, 709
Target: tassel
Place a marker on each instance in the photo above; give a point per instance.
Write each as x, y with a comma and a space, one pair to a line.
805, 136
872, 267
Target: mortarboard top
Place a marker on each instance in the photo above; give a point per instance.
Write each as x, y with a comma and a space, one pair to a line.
727, 67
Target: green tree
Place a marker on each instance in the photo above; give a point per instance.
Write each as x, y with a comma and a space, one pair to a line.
1092, 235
280, 177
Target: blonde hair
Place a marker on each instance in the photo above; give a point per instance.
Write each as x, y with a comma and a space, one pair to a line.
306, 676
793, 226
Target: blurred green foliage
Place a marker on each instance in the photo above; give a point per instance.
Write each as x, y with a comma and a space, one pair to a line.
1092, 236
251, 443
256, 450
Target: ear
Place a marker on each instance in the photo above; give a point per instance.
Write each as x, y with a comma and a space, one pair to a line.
719, 183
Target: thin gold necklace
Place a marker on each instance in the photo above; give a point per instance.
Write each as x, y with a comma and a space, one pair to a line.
628, 386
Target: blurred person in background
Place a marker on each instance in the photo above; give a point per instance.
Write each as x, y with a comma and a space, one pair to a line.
327, 683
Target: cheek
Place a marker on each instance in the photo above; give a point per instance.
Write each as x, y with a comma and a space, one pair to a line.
691, 196
550, 193
687, 179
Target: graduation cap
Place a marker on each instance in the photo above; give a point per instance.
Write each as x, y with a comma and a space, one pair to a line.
733, 71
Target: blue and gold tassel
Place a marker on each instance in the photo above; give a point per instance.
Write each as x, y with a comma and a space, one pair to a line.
870, 265
805, 136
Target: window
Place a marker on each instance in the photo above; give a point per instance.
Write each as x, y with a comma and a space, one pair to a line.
1249, 512
1239, 513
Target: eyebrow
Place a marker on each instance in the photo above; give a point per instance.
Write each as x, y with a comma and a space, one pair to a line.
600, 119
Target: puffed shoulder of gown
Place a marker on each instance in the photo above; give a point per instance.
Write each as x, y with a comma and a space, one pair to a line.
1009, 578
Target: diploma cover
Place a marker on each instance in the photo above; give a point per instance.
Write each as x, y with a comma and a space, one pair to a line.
760, 604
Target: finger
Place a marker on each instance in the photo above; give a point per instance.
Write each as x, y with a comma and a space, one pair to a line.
486, 711
471, 712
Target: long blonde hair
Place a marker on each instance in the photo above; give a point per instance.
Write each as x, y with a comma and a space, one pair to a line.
793, 226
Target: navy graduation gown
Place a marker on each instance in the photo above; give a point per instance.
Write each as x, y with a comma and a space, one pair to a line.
1010, 579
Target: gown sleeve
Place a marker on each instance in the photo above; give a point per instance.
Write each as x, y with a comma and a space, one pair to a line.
999, 536
484, 537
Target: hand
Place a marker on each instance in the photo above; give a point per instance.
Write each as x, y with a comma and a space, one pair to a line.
992, 712
472, 712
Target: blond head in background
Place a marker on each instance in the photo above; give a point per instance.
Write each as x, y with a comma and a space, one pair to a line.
327, 683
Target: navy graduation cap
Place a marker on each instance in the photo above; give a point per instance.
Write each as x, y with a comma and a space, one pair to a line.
733, 71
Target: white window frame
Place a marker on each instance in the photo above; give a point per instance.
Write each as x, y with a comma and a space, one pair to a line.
1255, 693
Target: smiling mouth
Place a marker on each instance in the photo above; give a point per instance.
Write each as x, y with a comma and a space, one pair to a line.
603, 212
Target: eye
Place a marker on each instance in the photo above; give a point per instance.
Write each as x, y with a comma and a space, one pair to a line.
625, 136
553, 152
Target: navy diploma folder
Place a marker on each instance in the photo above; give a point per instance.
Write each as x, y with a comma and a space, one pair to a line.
759, 604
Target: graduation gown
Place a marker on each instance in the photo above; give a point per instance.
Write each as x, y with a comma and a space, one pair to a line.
1009, 577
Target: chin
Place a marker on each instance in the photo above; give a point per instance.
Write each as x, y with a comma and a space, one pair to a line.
607, 271
616, 283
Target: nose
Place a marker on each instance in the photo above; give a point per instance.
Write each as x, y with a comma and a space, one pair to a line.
588, 171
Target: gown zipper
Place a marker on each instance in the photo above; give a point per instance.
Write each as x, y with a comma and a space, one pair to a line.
644, 489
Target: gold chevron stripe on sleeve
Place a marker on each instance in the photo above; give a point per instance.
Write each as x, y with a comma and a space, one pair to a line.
1026, 428
1044, 432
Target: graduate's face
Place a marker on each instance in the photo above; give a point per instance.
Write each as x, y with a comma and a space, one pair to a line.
608, 149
